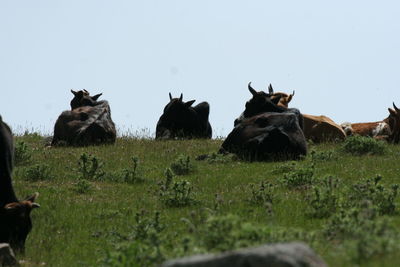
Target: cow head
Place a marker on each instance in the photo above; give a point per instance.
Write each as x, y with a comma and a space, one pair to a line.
261, 102
176, 109
394, 124
15, 222
284, 99
82, 98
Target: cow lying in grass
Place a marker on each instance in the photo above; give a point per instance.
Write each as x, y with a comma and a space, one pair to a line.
387, 129
87, 123
15, 221
266, 131
316, 128
181, 120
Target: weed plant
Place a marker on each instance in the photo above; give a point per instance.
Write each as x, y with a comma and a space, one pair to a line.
371, 189
300, 177
262, 194
182, 165
176, 193
90, 168
361, 145
323, 202
37, 172
22, 154
129, 175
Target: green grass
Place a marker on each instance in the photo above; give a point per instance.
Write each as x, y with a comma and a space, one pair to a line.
81, 229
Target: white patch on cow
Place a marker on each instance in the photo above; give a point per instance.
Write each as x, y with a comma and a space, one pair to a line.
381, 129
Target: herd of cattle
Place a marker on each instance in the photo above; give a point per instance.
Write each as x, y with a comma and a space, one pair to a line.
266, 130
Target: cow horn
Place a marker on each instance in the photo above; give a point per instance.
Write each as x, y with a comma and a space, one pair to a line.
251, 89
181, 97
270, 89
293, 93
86, 92
170, 96
74, 92
35, 205
395, 107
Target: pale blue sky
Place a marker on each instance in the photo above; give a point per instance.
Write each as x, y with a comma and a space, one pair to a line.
341, 57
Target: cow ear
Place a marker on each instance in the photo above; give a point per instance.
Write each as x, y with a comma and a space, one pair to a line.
32, 198
74, 92
392, 112
251, 89
189, 103
96, 97
170, 96
276, 99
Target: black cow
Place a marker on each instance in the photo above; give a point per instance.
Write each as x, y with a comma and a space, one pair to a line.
262, 102
88, 123
82, 98
15, 221
266, 131
181, 120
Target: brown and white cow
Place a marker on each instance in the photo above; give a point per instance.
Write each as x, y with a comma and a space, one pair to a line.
15, 220
387, 129
316, 128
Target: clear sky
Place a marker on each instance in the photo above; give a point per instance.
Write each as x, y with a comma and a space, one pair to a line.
341, 57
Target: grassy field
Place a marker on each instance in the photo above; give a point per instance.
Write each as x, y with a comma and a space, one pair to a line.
121, 214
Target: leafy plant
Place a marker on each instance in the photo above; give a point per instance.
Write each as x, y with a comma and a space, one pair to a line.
362, 230
22, 153
182, 165
129, 175
82, 186
261, 194
90, 168
371, 190
143, 246
360, 145
303, 176
323, 155
324, 200
176, 194
37, 172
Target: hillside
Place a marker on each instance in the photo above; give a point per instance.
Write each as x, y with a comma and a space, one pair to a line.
129, 210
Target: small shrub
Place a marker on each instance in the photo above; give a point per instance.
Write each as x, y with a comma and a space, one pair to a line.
323, 155
362, 231
22, 154
82, 186
300, 177
90, 168
130, 175
372, 190
262, 194
360, 145
143, 246
324, 200
176, 194
182, 165
37, 172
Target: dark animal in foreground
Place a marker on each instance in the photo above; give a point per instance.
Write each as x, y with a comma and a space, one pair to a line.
266, 131
88, 123
316, 128
267, 136
15, 221
387, 129
181, 120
